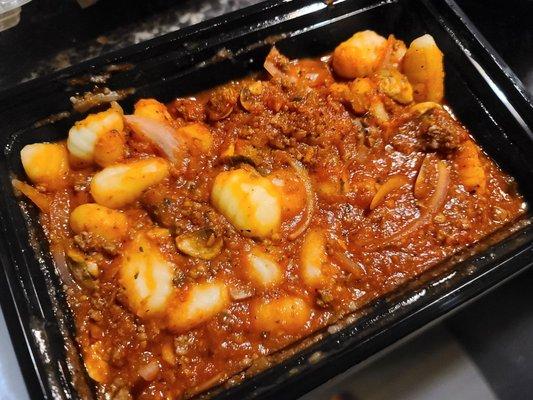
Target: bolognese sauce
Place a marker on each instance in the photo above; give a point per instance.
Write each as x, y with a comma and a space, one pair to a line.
209, 232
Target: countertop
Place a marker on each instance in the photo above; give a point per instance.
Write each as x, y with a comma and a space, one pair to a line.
482, 352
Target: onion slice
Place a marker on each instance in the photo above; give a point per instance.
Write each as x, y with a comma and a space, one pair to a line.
272, 69
339, 254
272, 62
162, 135
59, 230
302, 174
436, 201
277, 65
393, 183
384, 58
39, 199
60, 261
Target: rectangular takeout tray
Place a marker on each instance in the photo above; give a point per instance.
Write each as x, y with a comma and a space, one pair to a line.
480, 88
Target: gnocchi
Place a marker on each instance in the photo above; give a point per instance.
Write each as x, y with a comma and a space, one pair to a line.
262, 269
471, 172
153, 109
197, 136
423, 66
250, 202
200, 303
111, 225
358, 56
281, 315
292, 192
121, 184
313, 258
46, 164
83, 136
110, 148
146, 276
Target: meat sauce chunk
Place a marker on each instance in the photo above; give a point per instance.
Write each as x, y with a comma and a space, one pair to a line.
439, 131
429, 128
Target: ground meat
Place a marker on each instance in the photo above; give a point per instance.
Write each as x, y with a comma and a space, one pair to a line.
440, 132
222, 102
88, 242
189, 109
178, 213
258, 96
433, 130
324, 298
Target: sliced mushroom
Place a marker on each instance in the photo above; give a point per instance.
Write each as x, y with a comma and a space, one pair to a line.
202, 244
84, 271
221, 103
250, 97
236, 160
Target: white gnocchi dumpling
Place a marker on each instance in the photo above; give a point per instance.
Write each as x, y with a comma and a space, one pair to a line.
111, 225
83, 136
424, 67
293, 194
197, 136
200, 303
249, 201
46, 164
153, 109
313, 258
122, 183
95, 362
146, 276
359, 55
287, 314
262, 269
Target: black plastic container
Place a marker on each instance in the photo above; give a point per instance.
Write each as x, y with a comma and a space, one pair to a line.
480, 88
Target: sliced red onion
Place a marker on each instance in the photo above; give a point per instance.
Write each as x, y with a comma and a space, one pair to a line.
435, 203
162, 135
